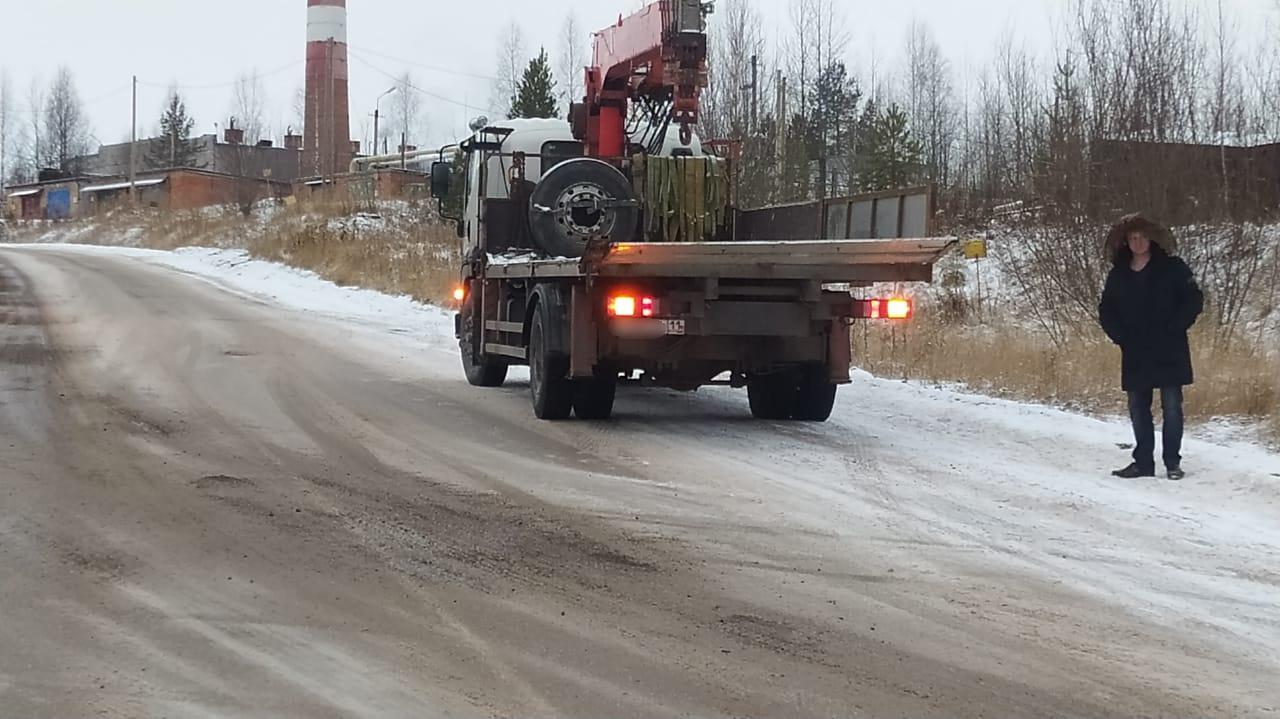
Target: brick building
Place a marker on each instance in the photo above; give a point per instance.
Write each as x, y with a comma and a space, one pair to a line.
230, 156
181, 189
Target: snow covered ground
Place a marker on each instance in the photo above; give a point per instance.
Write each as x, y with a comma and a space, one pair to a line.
1016, 495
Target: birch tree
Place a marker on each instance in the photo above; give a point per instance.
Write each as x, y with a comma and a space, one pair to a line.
65, 123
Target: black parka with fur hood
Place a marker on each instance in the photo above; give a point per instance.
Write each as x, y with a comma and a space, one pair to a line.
1149, 312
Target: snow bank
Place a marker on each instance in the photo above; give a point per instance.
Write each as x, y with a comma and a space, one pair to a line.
234, 270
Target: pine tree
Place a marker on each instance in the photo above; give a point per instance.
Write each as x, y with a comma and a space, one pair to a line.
174, 147
536, 96
835, 105
893, 158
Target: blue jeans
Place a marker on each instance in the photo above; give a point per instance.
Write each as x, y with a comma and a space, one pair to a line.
1144, 430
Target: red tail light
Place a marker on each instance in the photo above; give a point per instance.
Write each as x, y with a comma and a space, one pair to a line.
631, 306
895, 308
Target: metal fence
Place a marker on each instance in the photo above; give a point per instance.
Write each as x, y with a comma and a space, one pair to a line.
879, 215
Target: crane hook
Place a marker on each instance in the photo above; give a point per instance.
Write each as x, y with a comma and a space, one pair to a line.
686, 133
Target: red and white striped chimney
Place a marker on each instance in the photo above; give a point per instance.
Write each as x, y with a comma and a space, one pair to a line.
327, 135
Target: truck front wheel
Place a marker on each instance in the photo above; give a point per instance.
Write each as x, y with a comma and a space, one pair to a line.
549, 382
485, 371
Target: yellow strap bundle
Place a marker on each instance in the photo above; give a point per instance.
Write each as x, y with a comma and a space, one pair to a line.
687, 197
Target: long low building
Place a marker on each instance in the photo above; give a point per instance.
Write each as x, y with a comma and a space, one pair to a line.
178, 189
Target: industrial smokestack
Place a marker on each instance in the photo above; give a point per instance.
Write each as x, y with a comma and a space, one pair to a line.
327, 135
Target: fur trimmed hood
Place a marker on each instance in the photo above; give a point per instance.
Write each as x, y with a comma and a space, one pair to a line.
1118, 238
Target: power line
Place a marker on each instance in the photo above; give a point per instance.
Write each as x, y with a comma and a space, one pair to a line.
433, 68
103, 98
415, 88
220, 85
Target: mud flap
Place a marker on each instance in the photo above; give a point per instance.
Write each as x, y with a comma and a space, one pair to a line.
839, 351
583, 335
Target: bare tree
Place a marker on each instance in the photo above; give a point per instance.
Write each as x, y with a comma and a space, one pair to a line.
737, 39
299, 117
815, 43
248, 106
6, 125
930, 100
572, 60
35, 151
65, 123
511, 63
406, 118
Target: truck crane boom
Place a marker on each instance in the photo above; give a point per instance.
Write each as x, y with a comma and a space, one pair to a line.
658, 57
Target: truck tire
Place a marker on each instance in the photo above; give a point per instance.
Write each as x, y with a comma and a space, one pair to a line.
484, 371
815, 395
773, 396
593, 398
549, 383
580, 200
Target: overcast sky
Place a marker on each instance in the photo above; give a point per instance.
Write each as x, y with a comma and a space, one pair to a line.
202, 46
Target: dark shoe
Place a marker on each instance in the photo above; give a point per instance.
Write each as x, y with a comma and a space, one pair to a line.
1133, 471
1176, 473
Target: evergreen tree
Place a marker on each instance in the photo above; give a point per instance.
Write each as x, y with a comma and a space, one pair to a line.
536, 96
174, 147
832, 125
796, 183
893, 157
1062, 160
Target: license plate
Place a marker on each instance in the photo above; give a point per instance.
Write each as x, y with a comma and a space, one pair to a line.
673, 327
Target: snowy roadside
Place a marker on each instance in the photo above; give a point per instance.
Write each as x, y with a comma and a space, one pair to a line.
296, 289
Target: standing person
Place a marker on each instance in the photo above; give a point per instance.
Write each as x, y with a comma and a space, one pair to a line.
1150, 301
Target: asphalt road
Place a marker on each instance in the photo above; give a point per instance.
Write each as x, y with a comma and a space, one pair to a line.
211, 506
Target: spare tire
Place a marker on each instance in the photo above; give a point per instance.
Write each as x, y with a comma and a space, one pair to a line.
578, 201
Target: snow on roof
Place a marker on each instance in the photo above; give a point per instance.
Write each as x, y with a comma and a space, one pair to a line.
532, 123
25, 193
122, 185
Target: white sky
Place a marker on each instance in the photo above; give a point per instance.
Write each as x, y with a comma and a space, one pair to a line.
204, 44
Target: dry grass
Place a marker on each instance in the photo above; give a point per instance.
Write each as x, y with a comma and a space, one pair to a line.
1241, 382
401, 250
418, 257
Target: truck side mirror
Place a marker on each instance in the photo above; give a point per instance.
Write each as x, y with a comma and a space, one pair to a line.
441, 177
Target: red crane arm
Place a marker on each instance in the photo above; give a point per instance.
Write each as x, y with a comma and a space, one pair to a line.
659, 53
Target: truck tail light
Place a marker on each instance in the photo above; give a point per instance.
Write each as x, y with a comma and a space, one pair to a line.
894, 308
631, 306
459, 294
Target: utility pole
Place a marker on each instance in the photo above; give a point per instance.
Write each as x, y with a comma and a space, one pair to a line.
133, 149
780, 135
755, 89
377, 105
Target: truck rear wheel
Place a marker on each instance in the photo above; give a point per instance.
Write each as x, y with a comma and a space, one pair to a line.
549, 383
815, 395
593, 398
772, 396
